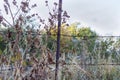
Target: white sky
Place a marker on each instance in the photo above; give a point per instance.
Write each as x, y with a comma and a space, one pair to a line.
103, 16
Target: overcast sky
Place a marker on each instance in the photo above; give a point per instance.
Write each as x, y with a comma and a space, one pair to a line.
103, 16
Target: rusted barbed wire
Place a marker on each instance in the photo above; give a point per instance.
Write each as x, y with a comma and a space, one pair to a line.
113, 64
27, 32
97, 64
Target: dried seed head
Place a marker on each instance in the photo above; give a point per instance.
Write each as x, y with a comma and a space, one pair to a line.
6, 9
46, 1
1, 18
6, 1
4, 24
67, 24
20, 18
55, 3
14, 2
51, 21
65, 14
33, 15
25, 6
28, 17
34, 5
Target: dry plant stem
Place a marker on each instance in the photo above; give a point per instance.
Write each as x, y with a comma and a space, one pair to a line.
11, 14
58, 39
16, 42
7, 22
17, 13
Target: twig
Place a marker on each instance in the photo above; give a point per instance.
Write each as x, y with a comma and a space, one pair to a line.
16, 13
7, 22
11, 13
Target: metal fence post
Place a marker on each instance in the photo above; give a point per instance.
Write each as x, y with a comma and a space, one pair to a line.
58, 39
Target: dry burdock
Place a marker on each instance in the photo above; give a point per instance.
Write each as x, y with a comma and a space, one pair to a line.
26, 56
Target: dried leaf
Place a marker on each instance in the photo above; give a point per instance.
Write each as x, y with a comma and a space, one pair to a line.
9, 34
50, 60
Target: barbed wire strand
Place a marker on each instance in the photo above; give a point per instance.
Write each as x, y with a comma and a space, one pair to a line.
27, 32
